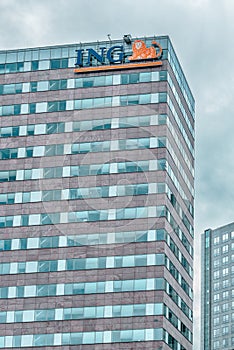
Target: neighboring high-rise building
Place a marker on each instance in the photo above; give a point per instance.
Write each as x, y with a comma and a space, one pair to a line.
217, 307
96, 196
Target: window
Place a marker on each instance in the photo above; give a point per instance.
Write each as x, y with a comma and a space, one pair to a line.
217, 251
17, 341
30, 129
225, 342
216, 240
52, 172
54, 150
59, 63
29, 152
225, 249
226, 283
6, 221
225, 260
8, 198
42, 85
32, 108
19, 316
9, 131
48, 242
45, 290
52, 128
225, 237
225, 295
22, 267
9, 153
225, 318
33, 86
225, 307
49, 219
47, 266
35, 65
57, 84
51, 195
225, 271
5, 244
225, 330
56, 106
130, 78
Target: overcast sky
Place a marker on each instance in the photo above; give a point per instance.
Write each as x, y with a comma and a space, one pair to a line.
202, 32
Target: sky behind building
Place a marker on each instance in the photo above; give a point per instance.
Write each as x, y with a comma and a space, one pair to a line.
202, 34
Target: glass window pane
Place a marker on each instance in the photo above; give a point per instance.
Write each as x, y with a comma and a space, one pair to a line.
42, 85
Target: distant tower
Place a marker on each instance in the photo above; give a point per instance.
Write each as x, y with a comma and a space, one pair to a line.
217, 288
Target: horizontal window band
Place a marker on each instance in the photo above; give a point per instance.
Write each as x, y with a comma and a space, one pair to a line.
83, 338
92, 239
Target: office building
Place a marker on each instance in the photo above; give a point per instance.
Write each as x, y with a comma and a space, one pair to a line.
217, 306
96, 193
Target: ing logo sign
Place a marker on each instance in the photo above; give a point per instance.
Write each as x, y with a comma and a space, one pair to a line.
116, 58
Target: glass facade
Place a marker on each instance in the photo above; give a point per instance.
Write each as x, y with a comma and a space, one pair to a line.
217, 288
96, 196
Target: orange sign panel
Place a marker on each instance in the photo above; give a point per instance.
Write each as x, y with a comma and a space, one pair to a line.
118, 66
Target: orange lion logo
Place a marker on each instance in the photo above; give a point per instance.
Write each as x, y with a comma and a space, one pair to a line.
141, 52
